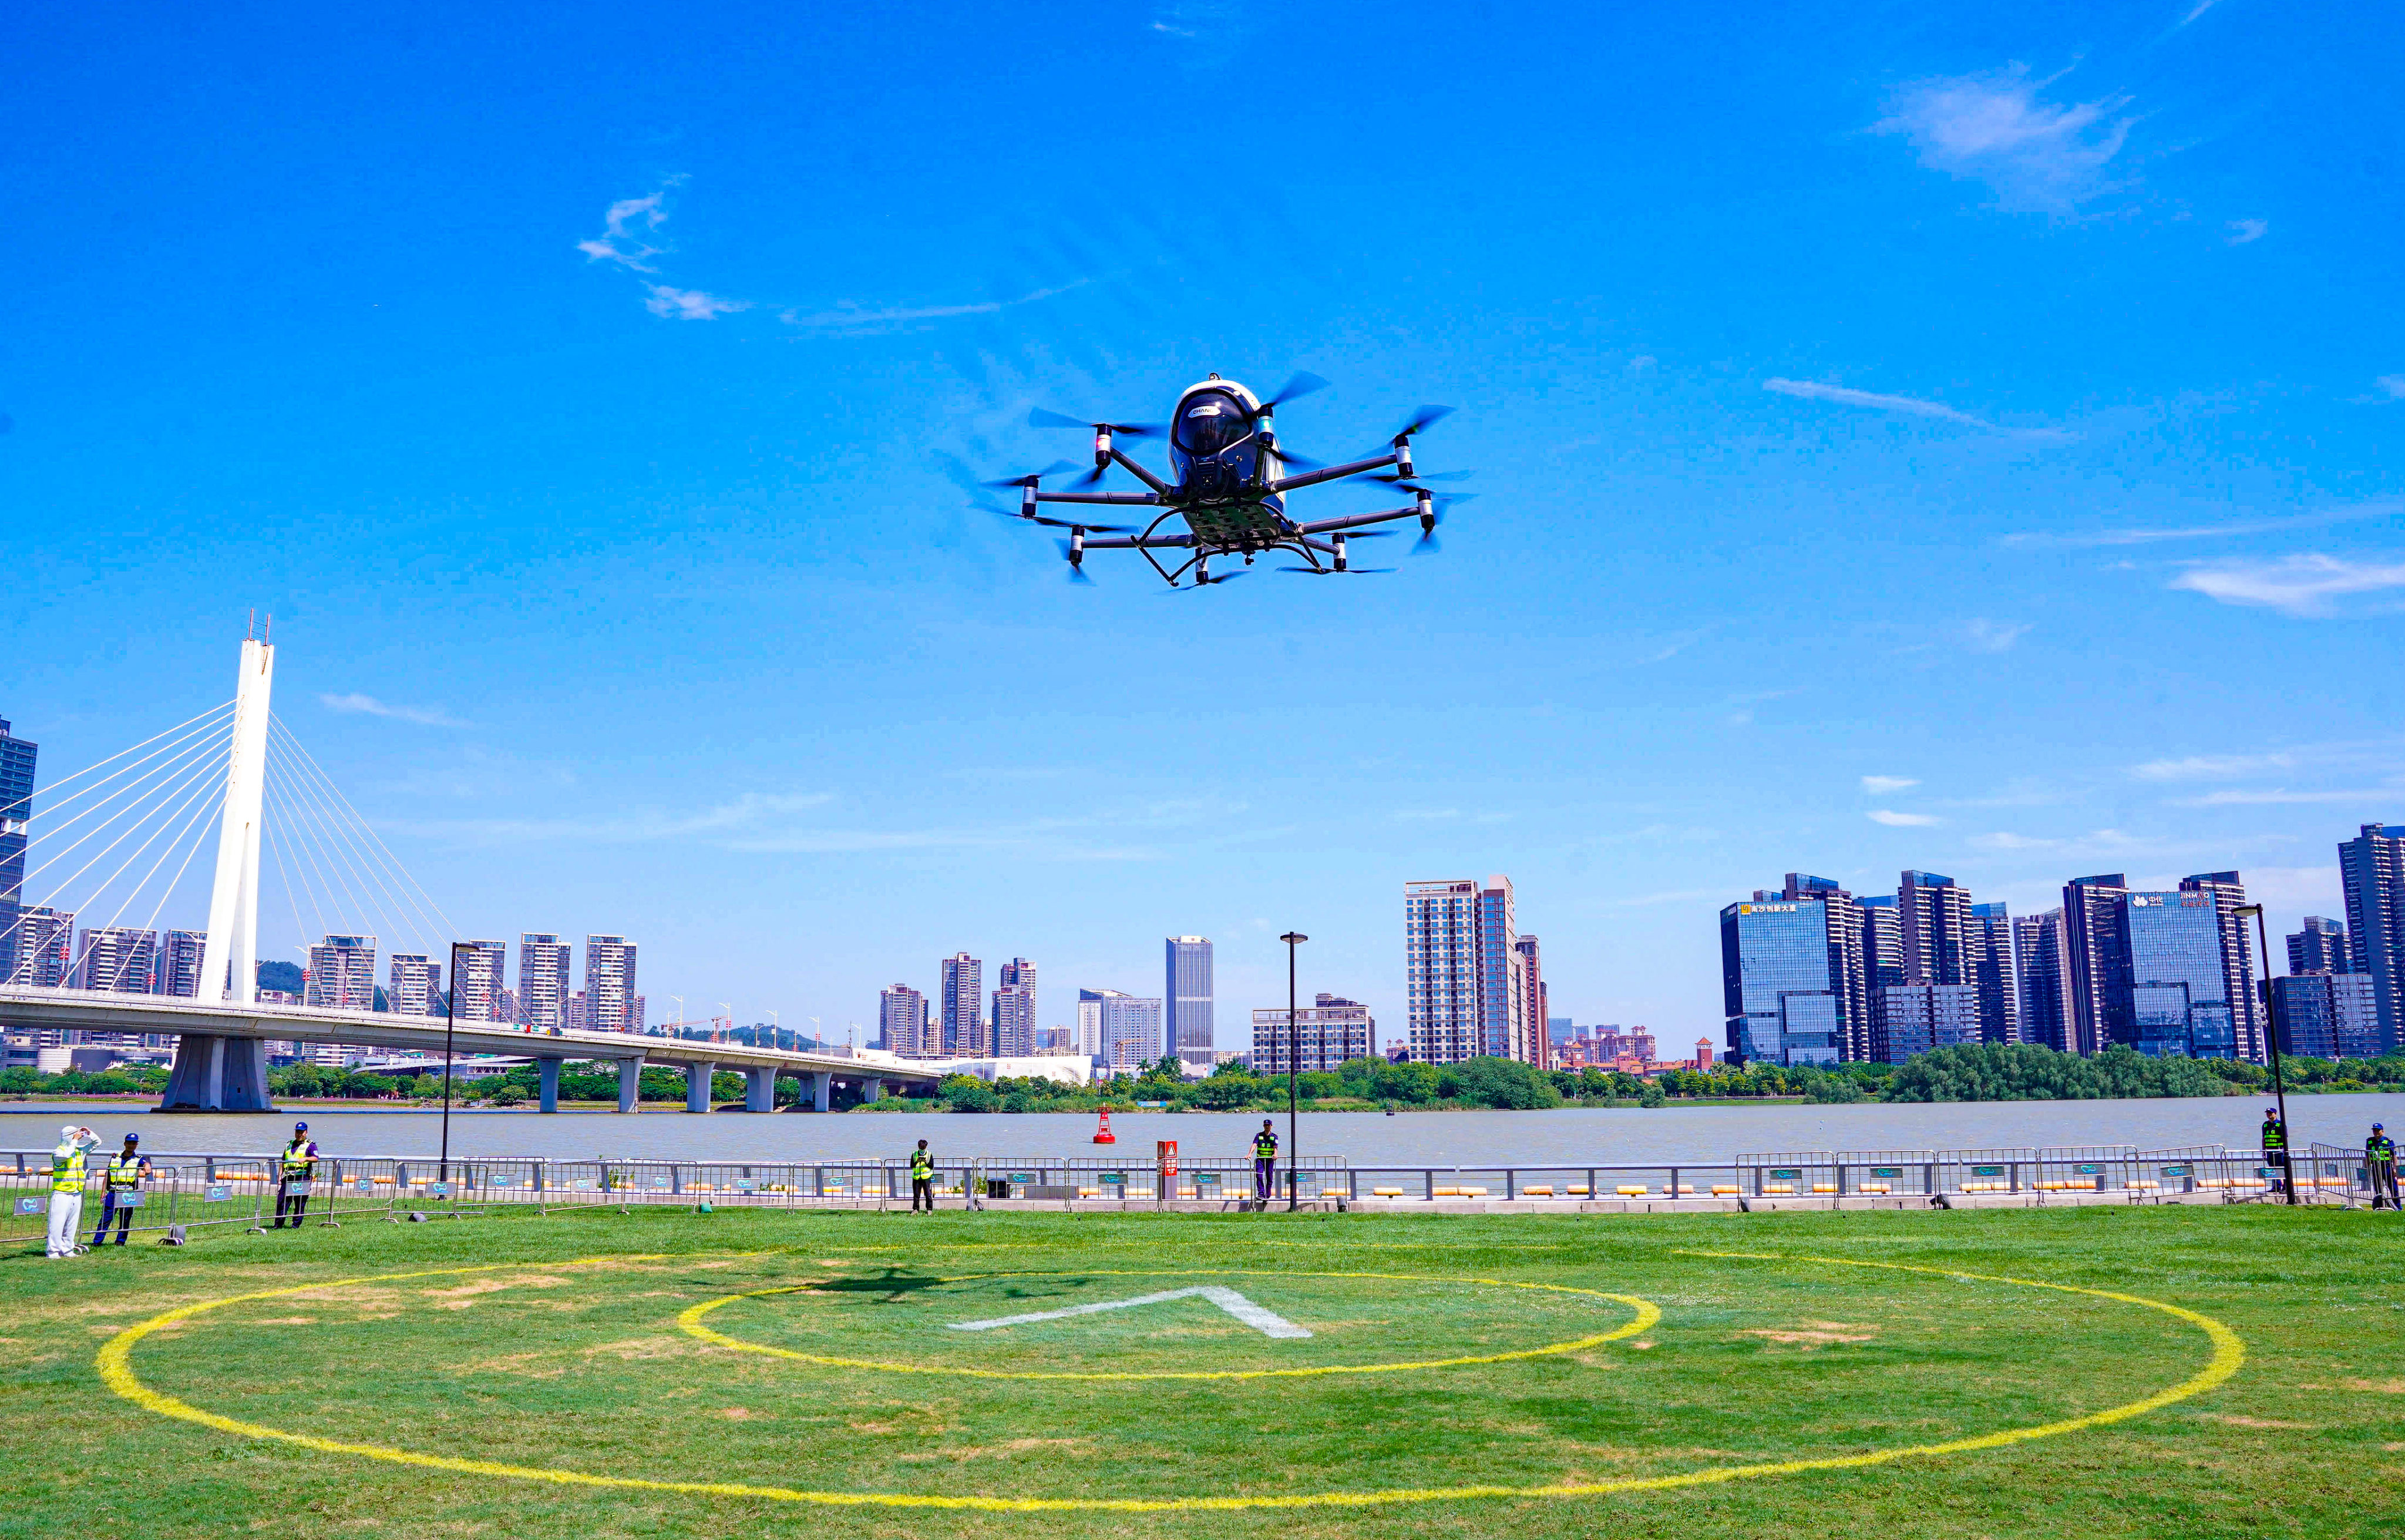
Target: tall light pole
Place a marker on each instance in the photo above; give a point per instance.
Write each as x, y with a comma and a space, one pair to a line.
450, 1025
2272, 1039
1293, 1136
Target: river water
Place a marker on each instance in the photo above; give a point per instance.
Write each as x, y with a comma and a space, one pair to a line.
1570, 1136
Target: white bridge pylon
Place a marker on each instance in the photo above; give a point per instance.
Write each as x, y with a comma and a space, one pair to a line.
223, 1073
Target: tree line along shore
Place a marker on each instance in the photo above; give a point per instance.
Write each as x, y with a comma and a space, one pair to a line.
1964, 1073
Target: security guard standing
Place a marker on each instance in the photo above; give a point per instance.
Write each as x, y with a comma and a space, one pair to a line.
923, 1177
66, 1188
119, 1179
296, 1167
2380, 1165
1264, 1161
2275, 1144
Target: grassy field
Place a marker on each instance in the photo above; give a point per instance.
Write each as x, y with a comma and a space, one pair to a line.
767, 1355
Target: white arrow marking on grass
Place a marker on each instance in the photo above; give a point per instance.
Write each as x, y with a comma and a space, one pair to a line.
1267, 1323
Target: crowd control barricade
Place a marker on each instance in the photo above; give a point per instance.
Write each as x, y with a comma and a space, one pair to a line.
2333, 1173
1567, 1182
174, 1195
2072, 1169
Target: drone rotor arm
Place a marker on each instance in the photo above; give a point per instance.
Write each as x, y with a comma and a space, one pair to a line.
1332, 473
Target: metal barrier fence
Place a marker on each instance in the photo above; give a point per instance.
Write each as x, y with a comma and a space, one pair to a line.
225, 1189
174, 1195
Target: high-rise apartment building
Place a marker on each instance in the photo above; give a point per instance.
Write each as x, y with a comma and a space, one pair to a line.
17, 759
45, 947
1536, 1041
963, 1006
1502, 985
1325, 1034
1125, 1028
2174, 997
543, 963
1188, 1027
1781, 1003
902, 1023
1440, 972
1466, 980
1992, 959
476, 980
2372, 869
2240, 989
1915, 1018
610, 985
1935, 917
118, 959
1012, 1026
2319, 948
2041, 964
341, 974
179, 962
2328, 1016
1847, 965
413, 982
2096, 962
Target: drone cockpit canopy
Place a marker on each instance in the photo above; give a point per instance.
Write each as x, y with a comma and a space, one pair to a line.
1209, 421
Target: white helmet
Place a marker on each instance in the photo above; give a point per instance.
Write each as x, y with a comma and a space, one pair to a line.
68, 1132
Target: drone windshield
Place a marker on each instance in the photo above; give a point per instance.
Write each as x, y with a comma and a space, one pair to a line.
1210, 421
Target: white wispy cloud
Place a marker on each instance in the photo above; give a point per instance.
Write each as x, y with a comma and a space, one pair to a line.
2212, 767
2196, 11
1893, 819
368, 705
2378, 508
1991, 636
2303, 586
2246, 232
1880, 785
619, 242
2282, 799
862, 320
1846, 396
689, 304
2391, 386
2035, 155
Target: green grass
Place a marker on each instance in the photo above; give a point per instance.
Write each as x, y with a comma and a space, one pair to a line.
540, 1362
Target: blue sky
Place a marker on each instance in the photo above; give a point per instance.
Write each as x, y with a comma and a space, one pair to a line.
1964, 440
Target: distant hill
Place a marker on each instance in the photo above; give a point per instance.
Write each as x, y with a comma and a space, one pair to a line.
283, 976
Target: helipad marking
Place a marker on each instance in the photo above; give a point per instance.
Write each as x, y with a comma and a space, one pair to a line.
1267, 1323
115, 1364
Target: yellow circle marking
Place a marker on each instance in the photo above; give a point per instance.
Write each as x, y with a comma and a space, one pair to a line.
1648, 1316
117, 1373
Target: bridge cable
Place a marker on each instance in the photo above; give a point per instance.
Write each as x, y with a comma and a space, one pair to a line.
316, 844
56, 787
198, 807
366, 864
352, 856
194, 770
270, 826
182, 759
447, 928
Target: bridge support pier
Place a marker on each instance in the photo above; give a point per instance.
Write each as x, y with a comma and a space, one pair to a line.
214, 1074
872, 1089
760, 1089
630, 1083
818, 1089
696, 1086
549, 1070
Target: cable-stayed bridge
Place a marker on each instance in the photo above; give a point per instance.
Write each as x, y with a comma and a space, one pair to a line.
121, 837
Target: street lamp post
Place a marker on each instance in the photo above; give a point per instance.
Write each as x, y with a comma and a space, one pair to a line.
1293, 1056
450, 1025
2271, 1039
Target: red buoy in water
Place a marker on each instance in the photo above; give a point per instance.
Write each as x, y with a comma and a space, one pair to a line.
1103, 1134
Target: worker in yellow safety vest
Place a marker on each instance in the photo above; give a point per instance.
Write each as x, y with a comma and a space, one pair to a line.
66, 1188
295, 1167
1264, 1161
923, 1177
120, 1180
